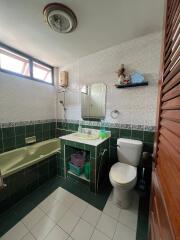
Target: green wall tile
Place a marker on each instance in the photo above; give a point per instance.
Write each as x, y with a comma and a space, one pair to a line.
148, 137
9, 144
20, 130
138, 135
125, 133
115, 132
20, 141
8, 132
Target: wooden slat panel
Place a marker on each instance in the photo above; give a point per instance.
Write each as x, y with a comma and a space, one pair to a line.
173, 154
172, 104
171, 126
167, 176
174, 140
172, 42
173, 26
172, 83
173, 115
175, 92
171, 51
173, 72
172, 64
165, 226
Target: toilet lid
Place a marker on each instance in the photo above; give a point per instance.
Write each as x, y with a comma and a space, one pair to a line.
123, 173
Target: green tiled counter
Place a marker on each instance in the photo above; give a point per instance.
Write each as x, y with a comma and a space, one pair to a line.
99, 165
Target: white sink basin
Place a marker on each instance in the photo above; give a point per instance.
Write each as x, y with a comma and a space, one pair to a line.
86, 136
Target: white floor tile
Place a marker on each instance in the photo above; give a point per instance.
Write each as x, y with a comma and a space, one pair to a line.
124, 233
56, 234
82, 231
107, 225
91, 215
42, 228
15, 233
111, 210
97, 235
79, 207
28, 236
60, 194
48, 204
33, 217
128, 218
70, 238
68, 221
57, 212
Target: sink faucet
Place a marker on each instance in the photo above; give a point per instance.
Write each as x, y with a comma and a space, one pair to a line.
2, 184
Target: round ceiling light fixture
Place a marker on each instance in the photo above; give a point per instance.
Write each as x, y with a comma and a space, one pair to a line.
60, 18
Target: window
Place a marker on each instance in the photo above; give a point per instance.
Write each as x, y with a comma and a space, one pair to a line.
42, 72
14, 62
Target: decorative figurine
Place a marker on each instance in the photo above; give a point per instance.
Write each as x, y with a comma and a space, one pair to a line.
123, 78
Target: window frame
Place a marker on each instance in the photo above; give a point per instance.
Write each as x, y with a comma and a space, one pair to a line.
31, 60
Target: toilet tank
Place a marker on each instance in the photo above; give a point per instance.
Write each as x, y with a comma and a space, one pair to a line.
129, 151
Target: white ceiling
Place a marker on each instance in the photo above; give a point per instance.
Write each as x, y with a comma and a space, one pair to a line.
101, 24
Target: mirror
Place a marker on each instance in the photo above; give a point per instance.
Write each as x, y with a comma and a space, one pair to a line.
93, 102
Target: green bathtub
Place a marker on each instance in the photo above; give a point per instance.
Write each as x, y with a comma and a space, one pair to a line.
18, 159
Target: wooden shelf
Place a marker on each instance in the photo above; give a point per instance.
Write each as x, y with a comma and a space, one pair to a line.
145, 83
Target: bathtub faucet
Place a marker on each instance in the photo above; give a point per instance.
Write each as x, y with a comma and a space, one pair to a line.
2, 184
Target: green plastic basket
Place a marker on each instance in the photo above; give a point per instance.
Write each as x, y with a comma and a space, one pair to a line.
87, 170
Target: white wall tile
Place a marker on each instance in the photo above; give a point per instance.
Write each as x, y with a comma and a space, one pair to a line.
142, 55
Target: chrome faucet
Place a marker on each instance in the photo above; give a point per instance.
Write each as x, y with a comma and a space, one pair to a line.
2, 184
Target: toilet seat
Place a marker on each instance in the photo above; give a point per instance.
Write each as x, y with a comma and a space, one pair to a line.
123, 174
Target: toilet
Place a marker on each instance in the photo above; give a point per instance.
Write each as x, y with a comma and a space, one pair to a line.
123, 174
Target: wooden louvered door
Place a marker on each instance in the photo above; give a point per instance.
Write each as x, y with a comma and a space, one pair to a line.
164, 217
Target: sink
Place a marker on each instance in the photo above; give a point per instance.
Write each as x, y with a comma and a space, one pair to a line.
86, 136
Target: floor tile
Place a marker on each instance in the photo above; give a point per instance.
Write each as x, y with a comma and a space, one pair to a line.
128, 218
56, 234
97, 235
48, 204
57, 212
68, 221
111, 210
42, 228
82, 231
15, 233
79, 207
28, 236
107, 225
91, 215
33, 217
123, 232
70, 238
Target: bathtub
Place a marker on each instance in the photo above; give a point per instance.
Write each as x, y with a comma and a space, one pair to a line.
18, 159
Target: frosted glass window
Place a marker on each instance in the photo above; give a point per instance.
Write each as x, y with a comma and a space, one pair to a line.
13, 62
42, 72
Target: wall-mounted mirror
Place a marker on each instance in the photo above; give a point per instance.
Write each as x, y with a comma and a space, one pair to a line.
93, 101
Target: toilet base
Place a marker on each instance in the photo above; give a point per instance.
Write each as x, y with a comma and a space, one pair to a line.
122, 198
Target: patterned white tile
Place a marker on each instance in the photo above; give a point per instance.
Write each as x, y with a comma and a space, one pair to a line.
91, 215
42, 228
68, 221
107, 225
123, 232
111, 210
82, 231
33, 217
15, 233
56, 234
